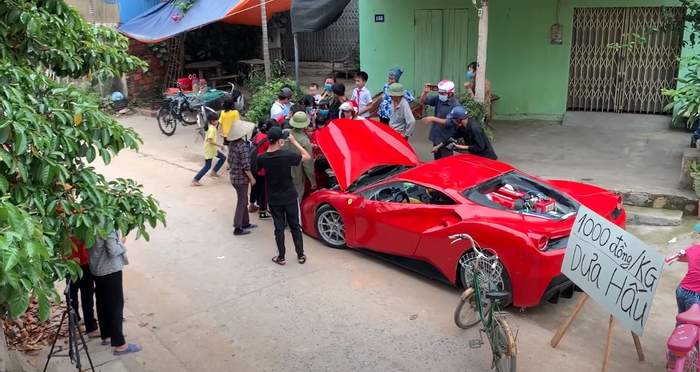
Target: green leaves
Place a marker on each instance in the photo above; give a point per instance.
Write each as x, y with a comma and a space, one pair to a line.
49, 134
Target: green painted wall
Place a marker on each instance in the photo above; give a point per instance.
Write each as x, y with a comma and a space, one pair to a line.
526, 71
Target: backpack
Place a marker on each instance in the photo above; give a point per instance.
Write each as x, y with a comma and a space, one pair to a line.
254, 155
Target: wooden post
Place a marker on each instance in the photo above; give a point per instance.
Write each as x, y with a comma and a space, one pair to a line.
565, 327
265, 40
608, 344
638, 346
481, 50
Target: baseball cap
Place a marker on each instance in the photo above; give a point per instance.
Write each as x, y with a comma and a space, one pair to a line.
458, 113
286, 92
276, 133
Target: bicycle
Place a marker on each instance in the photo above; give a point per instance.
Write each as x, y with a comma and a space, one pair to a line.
178, 108
684, 342
480, 302
190, 110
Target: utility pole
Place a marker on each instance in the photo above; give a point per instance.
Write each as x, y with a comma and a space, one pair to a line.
265, 46
483, 12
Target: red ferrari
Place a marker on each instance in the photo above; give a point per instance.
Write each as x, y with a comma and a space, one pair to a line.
381, 198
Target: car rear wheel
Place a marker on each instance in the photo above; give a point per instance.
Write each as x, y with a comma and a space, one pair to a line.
330, 227
494, 277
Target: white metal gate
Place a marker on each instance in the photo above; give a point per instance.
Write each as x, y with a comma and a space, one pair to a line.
627, 79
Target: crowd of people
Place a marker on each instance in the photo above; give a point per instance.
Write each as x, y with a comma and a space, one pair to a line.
273, 165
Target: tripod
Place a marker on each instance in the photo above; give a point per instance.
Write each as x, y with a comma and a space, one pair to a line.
73, 333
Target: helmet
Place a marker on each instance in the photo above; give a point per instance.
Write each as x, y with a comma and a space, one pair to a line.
348, 106
446, 86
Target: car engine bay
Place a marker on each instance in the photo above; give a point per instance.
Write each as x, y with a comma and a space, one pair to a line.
520, 194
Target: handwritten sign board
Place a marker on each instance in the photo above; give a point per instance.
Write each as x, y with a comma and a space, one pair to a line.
613, 267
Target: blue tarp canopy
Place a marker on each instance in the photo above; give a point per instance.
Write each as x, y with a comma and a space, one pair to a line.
164, 20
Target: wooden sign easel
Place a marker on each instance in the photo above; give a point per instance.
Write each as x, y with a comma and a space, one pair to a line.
608, 345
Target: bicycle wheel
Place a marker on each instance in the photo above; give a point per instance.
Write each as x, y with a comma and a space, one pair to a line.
467, 313
503, 346
166, 121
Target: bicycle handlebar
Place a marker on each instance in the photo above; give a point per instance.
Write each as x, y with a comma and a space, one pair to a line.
480, 254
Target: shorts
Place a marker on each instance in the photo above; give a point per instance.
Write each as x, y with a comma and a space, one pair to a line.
685, 298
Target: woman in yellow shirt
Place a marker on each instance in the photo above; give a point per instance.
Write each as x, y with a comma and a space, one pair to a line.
228, 116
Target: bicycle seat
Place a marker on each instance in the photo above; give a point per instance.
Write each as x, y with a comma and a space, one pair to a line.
690, 316
682, 339
497, 295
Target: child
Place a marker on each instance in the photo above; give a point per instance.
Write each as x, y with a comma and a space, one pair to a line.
313, 92
688, 291
210, 150
361, 95
228, 116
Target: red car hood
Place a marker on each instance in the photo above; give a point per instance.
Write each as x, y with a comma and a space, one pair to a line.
353, 147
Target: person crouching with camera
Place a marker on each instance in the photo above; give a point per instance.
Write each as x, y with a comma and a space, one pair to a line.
281, 193
470, 132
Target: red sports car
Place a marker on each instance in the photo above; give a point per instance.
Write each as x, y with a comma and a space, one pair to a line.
386, 201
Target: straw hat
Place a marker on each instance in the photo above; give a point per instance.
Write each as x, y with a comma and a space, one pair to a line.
240, 129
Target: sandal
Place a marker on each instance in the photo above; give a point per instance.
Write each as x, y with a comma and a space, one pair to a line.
279, 261
131, 348
302, 259
263, 215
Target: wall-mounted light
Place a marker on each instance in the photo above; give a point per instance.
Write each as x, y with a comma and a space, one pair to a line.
555, 32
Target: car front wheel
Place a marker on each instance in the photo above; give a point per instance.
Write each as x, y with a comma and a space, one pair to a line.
330, 227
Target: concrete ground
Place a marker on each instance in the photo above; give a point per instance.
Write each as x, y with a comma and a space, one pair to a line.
200, 299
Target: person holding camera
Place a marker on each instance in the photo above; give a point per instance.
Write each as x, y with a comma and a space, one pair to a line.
282, 107
476, 142
281, 193
107, 259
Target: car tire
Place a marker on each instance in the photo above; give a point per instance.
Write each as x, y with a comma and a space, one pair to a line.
330, 227
502, 282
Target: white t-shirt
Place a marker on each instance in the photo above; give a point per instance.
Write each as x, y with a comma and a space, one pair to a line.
279, 110
363, 98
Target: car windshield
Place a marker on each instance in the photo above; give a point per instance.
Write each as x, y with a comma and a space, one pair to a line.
376, 174
521, 194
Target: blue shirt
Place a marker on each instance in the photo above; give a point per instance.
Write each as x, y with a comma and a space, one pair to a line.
440, 133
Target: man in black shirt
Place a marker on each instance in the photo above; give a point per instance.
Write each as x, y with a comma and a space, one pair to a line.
476, 142
281, 194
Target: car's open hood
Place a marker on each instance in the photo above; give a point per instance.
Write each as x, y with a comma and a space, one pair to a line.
353, 147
